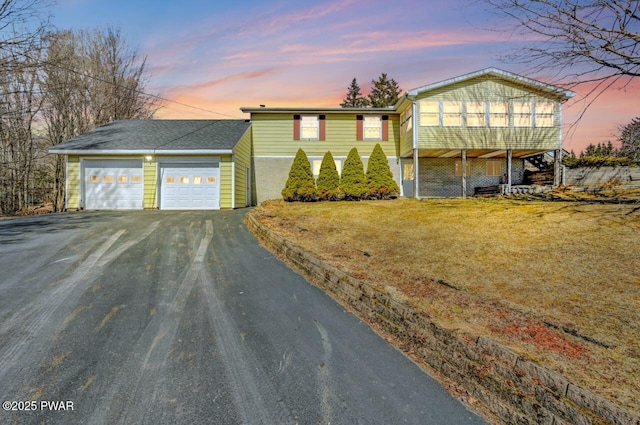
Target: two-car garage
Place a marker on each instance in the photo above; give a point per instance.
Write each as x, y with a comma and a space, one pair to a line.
181, 185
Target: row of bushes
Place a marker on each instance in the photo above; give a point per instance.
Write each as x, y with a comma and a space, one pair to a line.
353, 185
597, 161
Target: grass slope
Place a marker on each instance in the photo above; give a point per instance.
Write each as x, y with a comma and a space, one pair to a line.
559, 282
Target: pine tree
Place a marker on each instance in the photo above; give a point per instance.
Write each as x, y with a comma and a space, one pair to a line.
328, 183
354, 97
353, 182
630, 140
379, 176
300, 185
384, 92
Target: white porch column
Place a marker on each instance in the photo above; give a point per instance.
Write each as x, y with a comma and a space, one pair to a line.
509, 169
464, 173
416, 174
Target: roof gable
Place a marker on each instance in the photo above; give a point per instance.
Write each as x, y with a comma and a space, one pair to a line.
157, 136
495, 73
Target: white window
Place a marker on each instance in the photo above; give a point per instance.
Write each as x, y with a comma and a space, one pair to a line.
309, 127
458, 168
430, 113
544, 114
498, 114
475, 114
372, 127
522, 114
494, 168
317, 163
451, 114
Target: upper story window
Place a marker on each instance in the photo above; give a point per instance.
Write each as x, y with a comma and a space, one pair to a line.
498, 114
522, 114
309, 127
430, 113
544, 114
452, 114
475, 114
372, 127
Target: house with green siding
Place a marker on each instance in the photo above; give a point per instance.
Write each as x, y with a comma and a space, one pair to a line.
441, 140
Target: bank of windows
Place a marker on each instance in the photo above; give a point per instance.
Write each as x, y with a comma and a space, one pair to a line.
485, 114
197, 180
122, 179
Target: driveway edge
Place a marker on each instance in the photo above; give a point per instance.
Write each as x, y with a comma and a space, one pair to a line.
495, 379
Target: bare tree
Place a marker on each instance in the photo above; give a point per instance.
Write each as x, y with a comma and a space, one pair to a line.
579, 41
22, 22
90, 79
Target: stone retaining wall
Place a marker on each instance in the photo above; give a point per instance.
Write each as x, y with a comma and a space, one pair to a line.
598, 176
508, 386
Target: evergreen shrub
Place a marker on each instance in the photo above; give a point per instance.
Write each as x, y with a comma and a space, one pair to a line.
328, 183
353, 182
379, 176
300, 185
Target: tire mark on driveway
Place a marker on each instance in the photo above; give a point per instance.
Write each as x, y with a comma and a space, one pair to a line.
137, 376
44, 306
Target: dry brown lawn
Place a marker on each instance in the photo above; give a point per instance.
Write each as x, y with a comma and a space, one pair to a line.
559, 282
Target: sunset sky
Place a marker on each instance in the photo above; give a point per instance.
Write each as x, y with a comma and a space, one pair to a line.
220, 55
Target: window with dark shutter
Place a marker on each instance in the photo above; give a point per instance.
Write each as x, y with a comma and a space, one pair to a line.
322, 127
296, 127
385, 127
359, 127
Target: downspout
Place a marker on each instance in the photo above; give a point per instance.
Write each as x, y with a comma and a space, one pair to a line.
558, 172
414, 129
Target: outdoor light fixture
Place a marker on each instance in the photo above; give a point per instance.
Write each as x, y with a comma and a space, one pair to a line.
148, 157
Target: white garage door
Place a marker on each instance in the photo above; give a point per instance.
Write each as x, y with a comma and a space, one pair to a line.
190, 186
113, 184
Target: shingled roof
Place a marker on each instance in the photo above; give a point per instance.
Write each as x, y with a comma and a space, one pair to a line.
157, 136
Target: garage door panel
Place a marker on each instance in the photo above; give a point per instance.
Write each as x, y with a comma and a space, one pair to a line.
190, 186
113, 184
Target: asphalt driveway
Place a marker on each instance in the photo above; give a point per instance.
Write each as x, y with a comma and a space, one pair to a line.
182, 318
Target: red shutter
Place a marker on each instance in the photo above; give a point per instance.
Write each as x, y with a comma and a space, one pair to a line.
296, 127
385, 127
359, 127
322, 127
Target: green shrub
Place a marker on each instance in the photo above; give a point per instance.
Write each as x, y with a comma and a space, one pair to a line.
379, 176
328, 183
300, 185
596, 161
353, 182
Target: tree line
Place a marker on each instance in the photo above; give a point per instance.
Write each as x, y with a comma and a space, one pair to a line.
626, 153
54, 85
